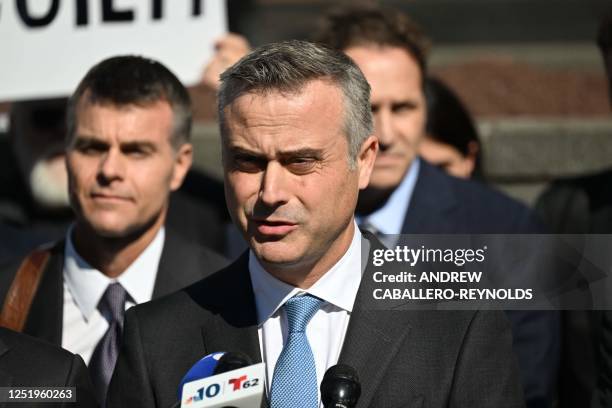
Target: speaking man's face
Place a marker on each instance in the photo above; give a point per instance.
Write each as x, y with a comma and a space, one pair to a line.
399, 109
122, 166
289, 186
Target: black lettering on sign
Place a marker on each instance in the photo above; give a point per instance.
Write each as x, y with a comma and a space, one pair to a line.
82, 12
196, 8
109, 13
28, 20
157, 8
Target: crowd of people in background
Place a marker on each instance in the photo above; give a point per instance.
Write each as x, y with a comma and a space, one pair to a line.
101, 212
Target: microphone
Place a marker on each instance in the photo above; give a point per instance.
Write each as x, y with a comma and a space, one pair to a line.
205, 367
223, 380
232, 360
340, 387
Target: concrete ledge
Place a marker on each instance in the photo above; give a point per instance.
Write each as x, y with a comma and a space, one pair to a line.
537, 150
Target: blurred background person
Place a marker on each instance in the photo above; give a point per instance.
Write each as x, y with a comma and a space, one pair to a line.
33, 187
407, 195
451, 139
583, 205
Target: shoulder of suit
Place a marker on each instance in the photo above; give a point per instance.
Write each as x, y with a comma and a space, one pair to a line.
9, 268
200, 296
482, 195
35, 352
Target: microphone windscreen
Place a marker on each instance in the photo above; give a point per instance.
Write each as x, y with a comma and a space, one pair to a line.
340, 387
205, 367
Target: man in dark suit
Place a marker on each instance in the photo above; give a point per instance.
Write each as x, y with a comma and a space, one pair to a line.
407, 195
29, 362
583, 205
297, 144
129, 124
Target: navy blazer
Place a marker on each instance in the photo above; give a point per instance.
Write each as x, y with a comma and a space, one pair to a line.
442, 204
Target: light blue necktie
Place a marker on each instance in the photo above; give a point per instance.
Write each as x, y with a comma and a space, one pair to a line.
294, 383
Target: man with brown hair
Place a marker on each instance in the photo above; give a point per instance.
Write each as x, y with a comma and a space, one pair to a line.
406, 195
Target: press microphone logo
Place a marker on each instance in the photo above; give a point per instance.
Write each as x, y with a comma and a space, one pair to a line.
209, 392
213, 390
243, 382
241, 387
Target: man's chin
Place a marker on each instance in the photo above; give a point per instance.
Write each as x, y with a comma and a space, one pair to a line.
275, 254
112, 232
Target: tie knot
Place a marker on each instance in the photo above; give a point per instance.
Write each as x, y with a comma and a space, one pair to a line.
112, 304
300, 309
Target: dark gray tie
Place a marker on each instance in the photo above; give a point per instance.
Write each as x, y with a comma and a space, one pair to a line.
368, 226
104, 357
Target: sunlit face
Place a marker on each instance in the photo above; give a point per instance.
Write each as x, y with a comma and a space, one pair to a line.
289, 187
399, 109
122, 167
447, 157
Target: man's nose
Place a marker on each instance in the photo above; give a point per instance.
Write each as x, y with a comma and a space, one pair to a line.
273, 191
383, 122
112, 167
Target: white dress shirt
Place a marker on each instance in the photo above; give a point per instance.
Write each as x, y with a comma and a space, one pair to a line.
83, 324
338, 288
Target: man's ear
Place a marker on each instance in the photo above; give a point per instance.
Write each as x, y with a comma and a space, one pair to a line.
365, 160
182, 164
471, 156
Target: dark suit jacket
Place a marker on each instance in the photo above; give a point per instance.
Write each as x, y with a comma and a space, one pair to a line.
181, 263
442, 204
29, 362
582, 205
403, 358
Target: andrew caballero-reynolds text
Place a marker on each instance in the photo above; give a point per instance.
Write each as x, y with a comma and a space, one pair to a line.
447, 285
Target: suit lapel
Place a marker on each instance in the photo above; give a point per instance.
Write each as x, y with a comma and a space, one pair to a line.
372, 340
179, 265
233, 326
432, 203
47, 310
370, 332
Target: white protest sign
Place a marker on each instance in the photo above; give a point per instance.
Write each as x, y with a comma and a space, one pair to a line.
47, 46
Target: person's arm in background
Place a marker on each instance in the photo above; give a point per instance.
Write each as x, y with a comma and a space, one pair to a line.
228, 50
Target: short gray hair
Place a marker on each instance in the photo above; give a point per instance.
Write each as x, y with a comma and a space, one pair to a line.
287, 67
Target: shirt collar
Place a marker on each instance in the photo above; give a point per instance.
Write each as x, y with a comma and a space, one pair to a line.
385, 218
337, 286
87, 285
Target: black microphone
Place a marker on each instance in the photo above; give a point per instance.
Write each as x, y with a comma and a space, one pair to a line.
232, 360
340, 387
